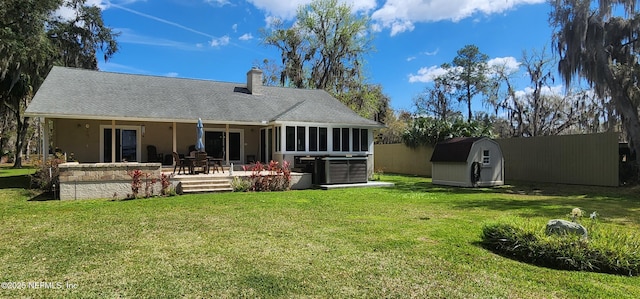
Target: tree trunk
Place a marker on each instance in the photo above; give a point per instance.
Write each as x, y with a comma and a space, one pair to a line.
22, 125
630, 121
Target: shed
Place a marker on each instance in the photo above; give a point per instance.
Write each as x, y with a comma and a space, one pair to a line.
468, 162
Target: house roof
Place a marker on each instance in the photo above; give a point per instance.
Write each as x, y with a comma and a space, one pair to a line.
454, 149
87, 94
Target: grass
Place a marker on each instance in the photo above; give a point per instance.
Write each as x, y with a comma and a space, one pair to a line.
414, 240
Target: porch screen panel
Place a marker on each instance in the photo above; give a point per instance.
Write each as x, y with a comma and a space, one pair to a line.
345, 139
278, 139
356, 140
291, 139
364, 140
300, 139
336, 139
313, 139
263, 146
322, 139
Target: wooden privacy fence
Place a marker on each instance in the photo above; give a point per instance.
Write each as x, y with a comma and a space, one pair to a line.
399, 158
568, 159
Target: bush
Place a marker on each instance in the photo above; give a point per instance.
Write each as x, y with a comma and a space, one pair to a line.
240, 184
608, 250
269, 177
47, 174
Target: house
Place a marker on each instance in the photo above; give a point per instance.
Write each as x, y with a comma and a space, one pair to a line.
113, 117
468, 162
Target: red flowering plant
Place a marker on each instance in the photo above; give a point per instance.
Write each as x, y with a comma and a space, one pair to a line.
137, 176
165, 182
136, 182
269, 177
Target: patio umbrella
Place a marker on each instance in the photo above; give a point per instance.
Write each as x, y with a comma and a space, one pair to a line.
200, 132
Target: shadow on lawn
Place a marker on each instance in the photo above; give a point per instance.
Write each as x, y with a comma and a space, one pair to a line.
524, 188
17, 181
538, 199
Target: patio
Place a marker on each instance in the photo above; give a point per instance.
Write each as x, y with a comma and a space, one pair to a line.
215, 181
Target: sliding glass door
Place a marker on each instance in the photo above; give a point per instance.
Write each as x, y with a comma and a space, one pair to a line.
214, 145
127, 144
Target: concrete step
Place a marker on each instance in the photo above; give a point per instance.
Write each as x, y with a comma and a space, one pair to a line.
204, 184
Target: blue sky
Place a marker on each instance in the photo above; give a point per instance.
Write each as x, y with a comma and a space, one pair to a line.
220, 39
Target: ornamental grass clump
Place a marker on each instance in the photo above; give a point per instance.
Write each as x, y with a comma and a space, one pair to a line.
608, 249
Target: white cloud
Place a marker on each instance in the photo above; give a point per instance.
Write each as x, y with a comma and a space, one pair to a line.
546, 90
220, 41
270, 20
411, 58
427, 74
246, 36
432, 53
217, 2
401, 26
509, 64
68, 13
234, 27
171, 74
400, 15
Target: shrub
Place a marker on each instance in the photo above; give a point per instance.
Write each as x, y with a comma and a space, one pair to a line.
165, 182
269, 178
240, 184
47, 174
609, 250
136, 183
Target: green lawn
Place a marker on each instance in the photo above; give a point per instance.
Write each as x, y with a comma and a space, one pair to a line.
414, 240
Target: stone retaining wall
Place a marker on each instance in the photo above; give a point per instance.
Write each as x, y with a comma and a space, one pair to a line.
102, 180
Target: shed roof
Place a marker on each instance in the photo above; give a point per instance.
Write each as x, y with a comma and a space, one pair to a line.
453, 150
78, 93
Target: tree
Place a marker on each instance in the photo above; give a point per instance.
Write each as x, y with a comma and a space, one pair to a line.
602, 48
540, 110
437, 100
368, 100
324, 49
470, 66
271, 72
290, 42
52, 40
429, 131
396, 124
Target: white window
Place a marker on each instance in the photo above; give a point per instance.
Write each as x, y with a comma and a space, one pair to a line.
486, 158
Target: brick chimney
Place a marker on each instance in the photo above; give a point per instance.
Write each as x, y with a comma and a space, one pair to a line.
254, 81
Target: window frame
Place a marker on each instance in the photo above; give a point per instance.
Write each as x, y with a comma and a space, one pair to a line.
486, 157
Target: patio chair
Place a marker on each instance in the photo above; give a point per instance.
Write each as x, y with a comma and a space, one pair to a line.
153, 155
181, 163
215, 164
201, 161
